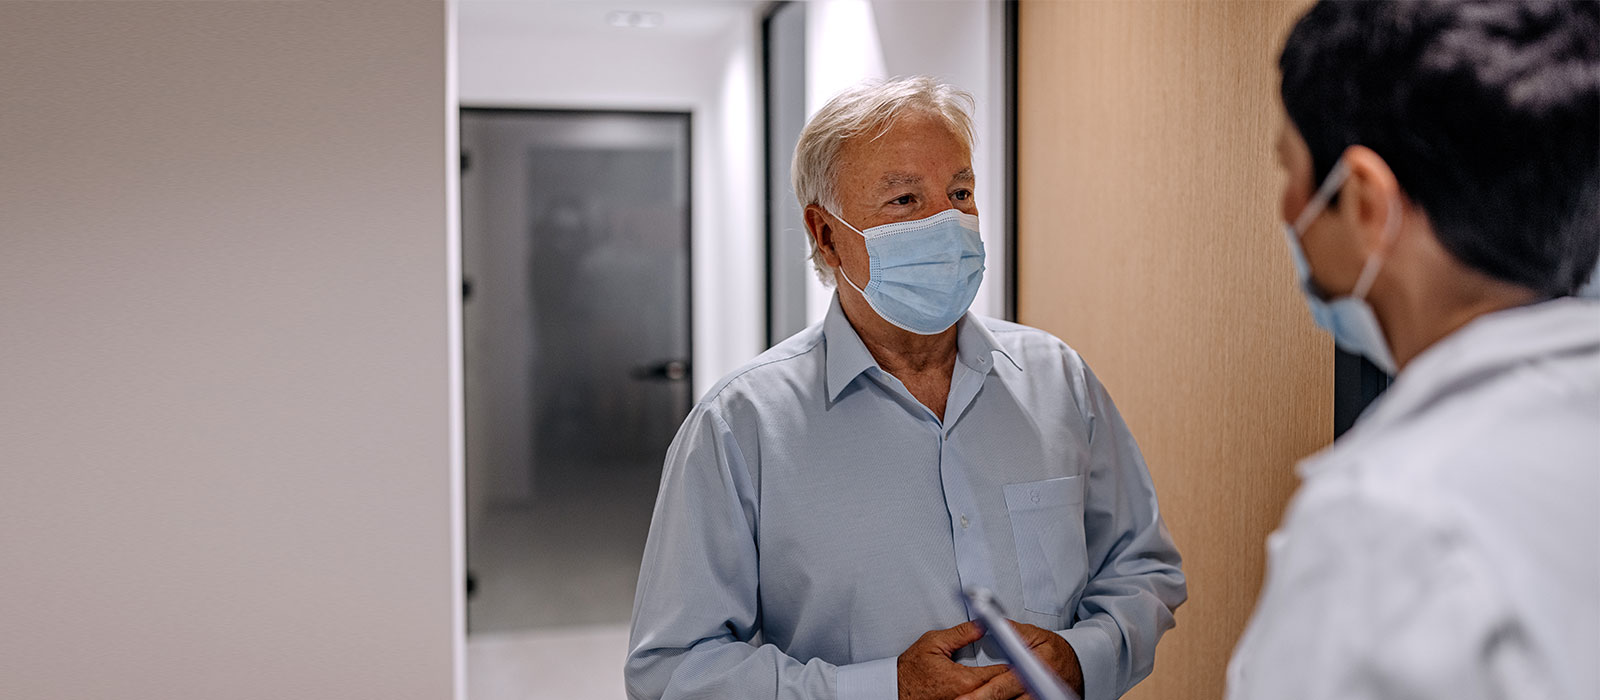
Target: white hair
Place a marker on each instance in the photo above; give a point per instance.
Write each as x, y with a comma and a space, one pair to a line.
871, 107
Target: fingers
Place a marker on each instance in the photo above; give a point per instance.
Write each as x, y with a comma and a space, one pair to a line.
947, 641
985, 674
1004, 686
967, 633
1026, 631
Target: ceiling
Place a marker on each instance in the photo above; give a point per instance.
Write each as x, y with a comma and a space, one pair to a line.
578, 18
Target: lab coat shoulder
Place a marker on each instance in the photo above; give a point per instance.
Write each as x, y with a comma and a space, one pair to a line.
1371, 596
1378, 586
1504, 456
1441, 548
1479, 427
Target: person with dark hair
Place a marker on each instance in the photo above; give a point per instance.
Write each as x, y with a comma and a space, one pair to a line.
1443, 200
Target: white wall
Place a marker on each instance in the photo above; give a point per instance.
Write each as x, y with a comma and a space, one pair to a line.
230, 461
705, 60
960, 42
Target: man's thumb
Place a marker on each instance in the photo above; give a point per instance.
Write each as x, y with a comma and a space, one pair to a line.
950, 640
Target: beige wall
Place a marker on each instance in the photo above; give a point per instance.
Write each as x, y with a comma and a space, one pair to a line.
225, 394
1148, 240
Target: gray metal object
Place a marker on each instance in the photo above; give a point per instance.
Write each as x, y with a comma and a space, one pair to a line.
1042, 683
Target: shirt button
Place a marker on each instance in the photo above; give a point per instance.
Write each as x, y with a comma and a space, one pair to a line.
963, 522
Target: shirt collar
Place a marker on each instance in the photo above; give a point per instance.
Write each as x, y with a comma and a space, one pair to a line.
848, 357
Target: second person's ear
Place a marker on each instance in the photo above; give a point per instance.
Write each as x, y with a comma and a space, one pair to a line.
1370, 200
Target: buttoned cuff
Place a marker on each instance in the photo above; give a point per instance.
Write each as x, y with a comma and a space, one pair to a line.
1097, 659
869, 680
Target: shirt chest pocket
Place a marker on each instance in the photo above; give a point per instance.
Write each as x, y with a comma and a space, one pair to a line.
1047, 523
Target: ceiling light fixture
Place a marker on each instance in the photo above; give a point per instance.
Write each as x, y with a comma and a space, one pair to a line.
628, 19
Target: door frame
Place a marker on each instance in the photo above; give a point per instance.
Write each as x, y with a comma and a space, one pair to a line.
459, 337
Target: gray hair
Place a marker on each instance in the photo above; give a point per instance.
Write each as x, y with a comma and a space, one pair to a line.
870, 107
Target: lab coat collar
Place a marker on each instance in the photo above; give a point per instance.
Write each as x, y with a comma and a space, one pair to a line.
848, 357
1490, 345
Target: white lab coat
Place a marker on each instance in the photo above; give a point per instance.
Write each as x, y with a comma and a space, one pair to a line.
1448, 546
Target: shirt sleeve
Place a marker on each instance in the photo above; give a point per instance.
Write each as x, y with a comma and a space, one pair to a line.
1136, 581
696, 612
1366, 601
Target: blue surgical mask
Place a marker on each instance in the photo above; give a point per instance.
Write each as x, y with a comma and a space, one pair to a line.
924, 273
1350, 318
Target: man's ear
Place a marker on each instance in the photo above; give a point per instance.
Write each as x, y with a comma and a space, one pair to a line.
820, 229
1370, 200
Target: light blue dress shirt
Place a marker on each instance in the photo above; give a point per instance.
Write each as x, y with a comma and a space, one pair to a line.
815, 519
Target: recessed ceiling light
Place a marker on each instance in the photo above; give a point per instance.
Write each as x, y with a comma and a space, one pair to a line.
629, 19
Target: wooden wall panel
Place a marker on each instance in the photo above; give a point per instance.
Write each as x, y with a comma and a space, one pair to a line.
1148, 240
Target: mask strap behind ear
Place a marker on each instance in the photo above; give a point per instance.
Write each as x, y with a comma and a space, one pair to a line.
1369, 271
840, 268
1324, 194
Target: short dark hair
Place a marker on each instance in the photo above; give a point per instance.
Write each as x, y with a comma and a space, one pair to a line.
1487, 112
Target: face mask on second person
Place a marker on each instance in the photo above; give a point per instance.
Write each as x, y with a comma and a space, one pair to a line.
1350, 318
924, 273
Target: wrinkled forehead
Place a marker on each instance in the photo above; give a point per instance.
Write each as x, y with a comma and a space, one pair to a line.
889, 152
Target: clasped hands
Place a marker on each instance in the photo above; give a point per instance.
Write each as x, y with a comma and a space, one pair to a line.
927, 670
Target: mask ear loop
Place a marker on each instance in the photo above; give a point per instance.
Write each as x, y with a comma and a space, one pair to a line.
1369, 271
852, 283
1324, 194
840, 269
841, 220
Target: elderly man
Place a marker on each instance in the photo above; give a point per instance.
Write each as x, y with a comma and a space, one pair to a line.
823, 505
